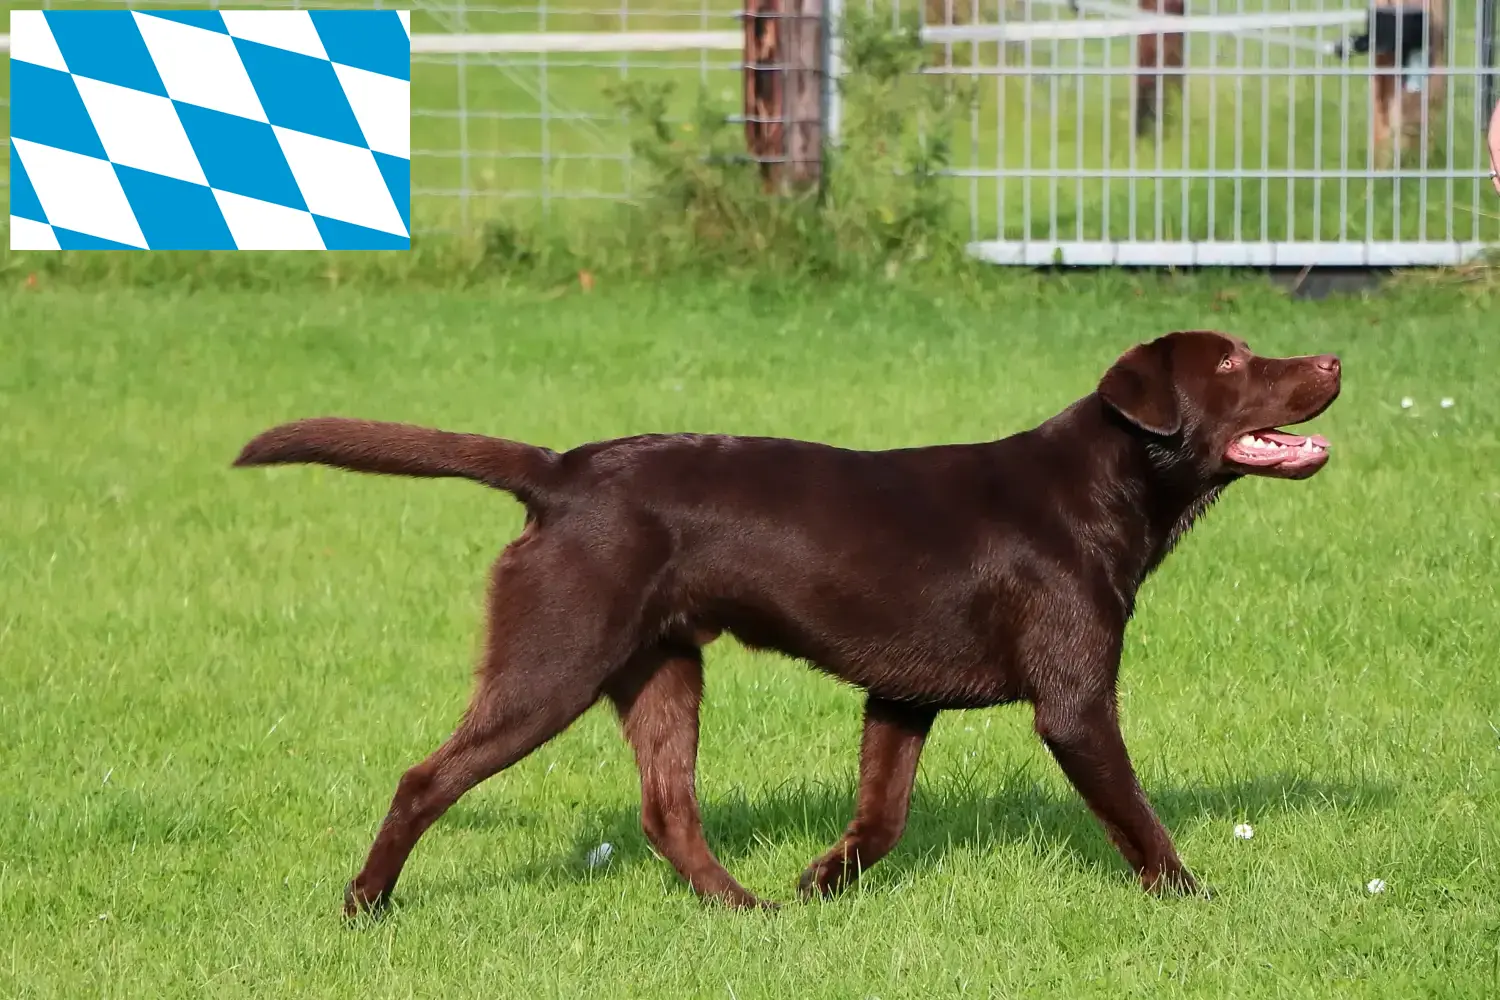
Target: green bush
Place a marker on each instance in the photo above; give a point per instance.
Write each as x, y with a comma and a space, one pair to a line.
881, 207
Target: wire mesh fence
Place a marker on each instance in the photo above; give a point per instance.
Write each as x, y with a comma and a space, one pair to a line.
1213, 131
517, 132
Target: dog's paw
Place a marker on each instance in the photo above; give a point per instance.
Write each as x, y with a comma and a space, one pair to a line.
1197, 890
742, 899
823, 880
357, 904
1173, 882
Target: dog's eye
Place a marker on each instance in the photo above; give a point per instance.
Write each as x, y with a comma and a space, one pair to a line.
1227, 364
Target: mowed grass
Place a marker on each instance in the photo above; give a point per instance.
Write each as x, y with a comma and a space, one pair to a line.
212, 679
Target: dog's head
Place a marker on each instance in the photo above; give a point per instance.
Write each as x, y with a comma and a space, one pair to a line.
1207, 394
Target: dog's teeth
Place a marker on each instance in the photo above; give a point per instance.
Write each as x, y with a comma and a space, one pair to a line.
1248, 441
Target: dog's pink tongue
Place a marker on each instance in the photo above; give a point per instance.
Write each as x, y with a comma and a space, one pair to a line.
1292, 440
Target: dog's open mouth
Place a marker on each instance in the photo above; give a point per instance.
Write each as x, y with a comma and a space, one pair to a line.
1277, 453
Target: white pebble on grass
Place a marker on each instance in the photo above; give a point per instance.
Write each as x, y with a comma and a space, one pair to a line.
1244, 831
600, 855
1406, 402
1446, 402
1375, 885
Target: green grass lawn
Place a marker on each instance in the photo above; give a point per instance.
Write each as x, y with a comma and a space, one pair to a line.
210, 680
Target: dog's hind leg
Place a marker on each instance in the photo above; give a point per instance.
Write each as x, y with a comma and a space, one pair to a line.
483, 745
893, 739
559, 627
657, 696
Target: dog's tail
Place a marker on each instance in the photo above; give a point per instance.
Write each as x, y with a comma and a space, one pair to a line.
526, 471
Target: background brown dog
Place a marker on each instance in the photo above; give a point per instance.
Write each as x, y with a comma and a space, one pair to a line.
955, 576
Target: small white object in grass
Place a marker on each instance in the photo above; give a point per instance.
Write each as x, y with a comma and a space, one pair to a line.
1406, 402
1446, 402
600, 855
1375, 885
1244, 831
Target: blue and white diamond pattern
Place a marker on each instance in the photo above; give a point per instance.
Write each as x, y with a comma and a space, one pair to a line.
210, 130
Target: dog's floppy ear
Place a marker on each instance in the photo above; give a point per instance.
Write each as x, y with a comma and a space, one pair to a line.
1139, 386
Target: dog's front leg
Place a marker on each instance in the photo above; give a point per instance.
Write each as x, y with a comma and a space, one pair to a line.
1083, 733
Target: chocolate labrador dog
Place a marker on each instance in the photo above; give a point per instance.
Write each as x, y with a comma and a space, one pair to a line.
948, 577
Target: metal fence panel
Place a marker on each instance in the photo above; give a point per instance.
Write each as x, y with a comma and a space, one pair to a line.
1267, 149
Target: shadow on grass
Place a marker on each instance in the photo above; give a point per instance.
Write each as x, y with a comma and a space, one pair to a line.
943, 820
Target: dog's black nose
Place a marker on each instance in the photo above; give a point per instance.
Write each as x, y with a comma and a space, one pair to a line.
1329, 363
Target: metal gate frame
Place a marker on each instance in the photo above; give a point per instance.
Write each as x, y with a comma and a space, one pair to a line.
1454, 196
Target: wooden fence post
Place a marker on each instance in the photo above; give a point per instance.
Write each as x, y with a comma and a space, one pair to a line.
784, 106
804, 94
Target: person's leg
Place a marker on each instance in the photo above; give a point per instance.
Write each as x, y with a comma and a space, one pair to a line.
1495, 148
